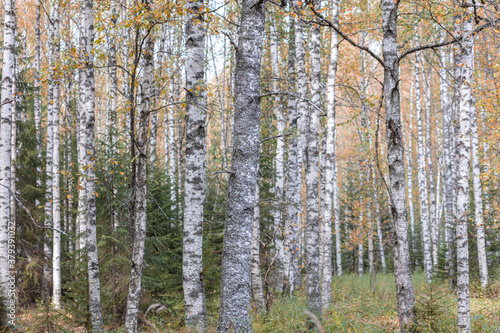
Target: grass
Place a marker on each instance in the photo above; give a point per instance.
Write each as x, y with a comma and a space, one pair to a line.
354, 309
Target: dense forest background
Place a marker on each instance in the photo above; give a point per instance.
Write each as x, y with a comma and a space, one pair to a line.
164, 163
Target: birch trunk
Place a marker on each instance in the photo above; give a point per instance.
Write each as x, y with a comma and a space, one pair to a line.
448, 162
478, 201
134, 290
37, 103
257, 291
55, 175
330, 171
360, 244
432, 191
87, 100
409, 158
466, 100
6, 108
172, 146
196, 165
395, 159
236, 259
280, 149
81, 217
422, 179
312, 159
379, 224
294, 170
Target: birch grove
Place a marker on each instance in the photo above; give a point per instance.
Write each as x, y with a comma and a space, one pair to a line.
239, 166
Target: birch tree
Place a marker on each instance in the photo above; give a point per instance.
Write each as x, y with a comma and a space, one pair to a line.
54, 102
236, 281
257, 290
330, 173
466, 106
8, 72
428, 152
448, 162
87, 101
312, 162
294, 170
139, 232
196, 157
280, 150
422, 178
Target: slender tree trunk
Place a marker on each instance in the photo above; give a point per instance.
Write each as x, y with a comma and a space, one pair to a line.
294, 170
172, 147
236, 259
379, 224
87, 100
55, 175
196, 165
422, 179
37, 103
257, 291
280, 150
330, 172
141, 143
432, 191
478, 201
395, 159
409, 158
312, 161
448, 165
8, 72
360, 243
466, 106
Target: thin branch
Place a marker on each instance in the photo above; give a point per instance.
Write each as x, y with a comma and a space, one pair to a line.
347, 38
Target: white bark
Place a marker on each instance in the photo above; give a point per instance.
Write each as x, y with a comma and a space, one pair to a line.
448, 163
7, 249
196, 165
54, 102
87, 100
395, 159
432, 191
236, 258
37, 103
134, 290
312, 163
294, 171
478, 198
171, 146
257, 291
409, 158
280, 150
331, 186
422, 179
466, 105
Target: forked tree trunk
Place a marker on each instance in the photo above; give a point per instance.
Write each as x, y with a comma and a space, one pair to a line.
234, 309
134, 290
395, 158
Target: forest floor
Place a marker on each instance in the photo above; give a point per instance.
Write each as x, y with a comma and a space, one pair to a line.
356, 307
